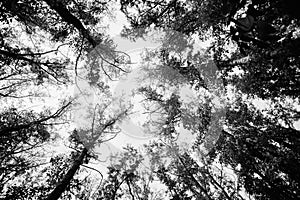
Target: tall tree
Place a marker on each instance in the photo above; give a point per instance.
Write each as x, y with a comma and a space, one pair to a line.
64, 183
271, 70
22, 134
186, 178
37, 187
260, 146
102, 127
264, 153
59, 24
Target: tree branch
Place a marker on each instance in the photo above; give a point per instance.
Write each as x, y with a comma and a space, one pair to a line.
68, 17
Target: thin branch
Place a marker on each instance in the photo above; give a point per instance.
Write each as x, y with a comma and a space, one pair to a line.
130, 192
77, 59
58, 113
99, 185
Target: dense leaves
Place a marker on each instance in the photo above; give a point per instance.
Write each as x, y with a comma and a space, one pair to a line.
21, 134
38, 187
265, 154
261, 148
254, 151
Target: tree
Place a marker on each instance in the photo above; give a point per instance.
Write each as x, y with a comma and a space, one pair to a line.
58, 23
272, 68
260, 146
264, 154
187, 178
123, 173
259, 149
184, 17
27, 65
64, 183
102, 127
130, 177
38, 187
54, 15
22, 135
269, 73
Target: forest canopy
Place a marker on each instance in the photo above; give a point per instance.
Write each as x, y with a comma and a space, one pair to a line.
192, 99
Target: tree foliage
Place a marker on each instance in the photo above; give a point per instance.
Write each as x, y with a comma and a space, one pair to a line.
255, 151
261, 147
22, 134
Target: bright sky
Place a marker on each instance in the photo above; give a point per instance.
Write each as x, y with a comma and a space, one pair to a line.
132, 132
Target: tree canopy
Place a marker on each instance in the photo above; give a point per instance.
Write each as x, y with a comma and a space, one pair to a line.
219, 98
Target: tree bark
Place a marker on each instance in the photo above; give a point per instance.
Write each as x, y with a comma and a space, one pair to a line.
68, 17
61, 187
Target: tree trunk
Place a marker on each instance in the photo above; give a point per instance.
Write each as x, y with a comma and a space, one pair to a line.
61, 187
68, 17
